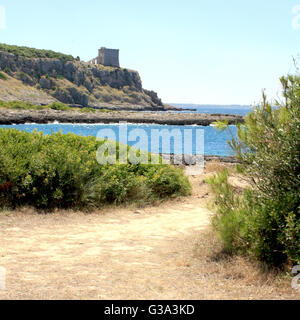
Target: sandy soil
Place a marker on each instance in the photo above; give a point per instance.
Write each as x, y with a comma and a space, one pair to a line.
163, 252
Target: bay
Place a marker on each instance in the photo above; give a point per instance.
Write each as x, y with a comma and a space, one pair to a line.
215, 142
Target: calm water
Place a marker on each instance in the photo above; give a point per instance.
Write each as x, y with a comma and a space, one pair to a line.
214, 141
228, 109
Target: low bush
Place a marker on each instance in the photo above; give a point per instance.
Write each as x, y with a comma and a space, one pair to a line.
48, 171
35, 53
3, 76
264, 221
59, 106
87, 110
20, 105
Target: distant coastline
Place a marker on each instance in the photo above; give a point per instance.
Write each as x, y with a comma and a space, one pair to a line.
176, 104
215, 108
8, 117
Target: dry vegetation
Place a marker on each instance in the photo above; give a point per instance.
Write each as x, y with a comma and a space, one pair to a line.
13, 89
157, 252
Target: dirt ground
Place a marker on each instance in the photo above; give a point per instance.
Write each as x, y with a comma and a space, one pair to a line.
162, 252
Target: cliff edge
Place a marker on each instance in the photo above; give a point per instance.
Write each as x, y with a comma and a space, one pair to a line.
42, 77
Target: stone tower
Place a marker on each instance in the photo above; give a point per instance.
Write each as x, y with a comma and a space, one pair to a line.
108, 57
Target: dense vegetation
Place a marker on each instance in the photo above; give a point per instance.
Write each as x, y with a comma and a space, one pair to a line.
21, 105
264, 219
61, 171
35, 53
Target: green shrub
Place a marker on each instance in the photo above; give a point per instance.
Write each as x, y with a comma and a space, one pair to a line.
19, 105
59, 106
87, 110
57, 170
35, 53
165, 181
228, 220
264, 221
3, 76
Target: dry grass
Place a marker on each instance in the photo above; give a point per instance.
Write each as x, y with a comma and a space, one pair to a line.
237, 277
216, 166
164, 252
13, 89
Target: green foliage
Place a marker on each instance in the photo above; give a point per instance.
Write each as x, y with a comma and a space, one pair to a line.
48, 171
88, 110
166, 181
35, 53
221, 125
20, 105
59, 106
3, 76
264, 220
228, 219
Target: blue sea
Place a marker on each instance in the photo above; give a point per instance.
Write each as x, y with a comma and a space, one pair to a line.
214, 141
212, 109
185, 139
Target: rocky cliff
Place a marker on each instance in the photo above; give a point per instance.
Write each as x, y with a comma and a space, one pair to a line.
74, 83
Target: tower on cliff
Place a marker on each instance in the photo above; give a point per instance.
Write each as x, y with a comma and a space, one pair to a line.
108, 57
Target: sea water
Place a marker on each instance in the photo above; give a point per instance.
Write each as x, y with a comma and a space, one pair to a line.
215, 142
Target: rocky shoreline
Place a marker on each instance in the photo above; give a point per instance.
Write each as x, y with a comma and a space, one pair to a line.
193, 160
8, 117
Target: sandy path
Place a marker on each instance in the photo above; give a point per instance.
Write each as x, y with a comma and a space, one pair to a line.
49, 256
116, 254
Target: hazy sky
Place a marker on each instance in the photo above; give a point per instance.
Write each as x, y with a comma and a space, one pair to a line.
190, 51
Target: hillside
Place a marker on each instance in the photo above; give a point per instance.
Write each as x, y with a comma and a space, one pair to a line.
42, 77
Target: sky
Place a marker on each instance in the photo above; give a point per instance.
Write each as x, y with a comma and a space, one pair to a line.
189, 51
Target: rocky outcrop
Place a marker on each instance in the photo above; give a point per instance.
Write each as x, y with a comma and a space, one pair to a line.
192, 160
49, 115
75, 82
154, 97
